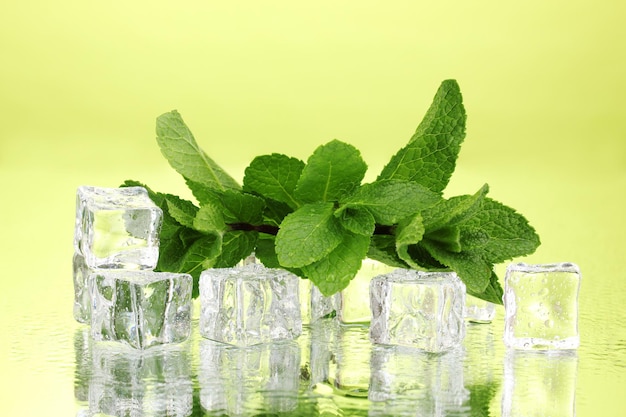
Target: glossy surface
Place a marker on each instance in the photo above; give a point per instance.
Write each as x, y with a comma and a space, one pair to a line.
81, 84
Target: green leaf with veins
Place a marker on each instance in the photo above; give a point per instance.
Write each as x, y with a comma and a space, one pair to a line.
201, 255
390, 201
453, 211
209, 220
333, 272
359, 221
383, 249
331, 172
182, 211
274, 176
184, 155
492, 293
242, 207
236, 245
408, 232
307, 235
430, 156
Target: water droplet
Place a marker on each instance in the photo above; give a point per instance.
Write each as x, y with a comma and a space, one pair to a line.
544, 291
549, 323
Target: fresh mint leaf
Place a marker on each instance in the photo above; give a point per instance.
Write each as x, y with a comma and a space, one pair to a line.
265, 251
492, 293
202, 193
390, 201
359, 221
201, 255
430, 156
331, 172
409, 232
453, 211
333, 272
209, 220
498, 232
449, 238
470, 266
307, 235
274, 176
242, 207
236, 245
275, 212
184, 155
383, 249
183, 211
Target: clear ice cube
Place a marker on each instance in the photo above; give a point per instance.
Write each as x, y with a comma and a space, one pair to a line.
242, 381
249, 304
410, 382
353, 307
417, 309
117, 227
541, 305
156, 382
316, 306
479, 311
140, 308
82, 300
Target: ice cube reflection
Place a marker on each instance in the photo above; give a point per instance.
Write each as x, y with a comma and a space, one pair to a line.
239, 381
119, 381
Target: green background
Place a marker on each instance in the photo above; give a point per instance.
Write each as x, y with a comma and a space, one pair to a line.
81, 84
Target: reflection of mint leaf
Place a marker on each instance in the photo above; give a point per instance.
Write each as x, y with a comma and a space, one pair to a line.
409, 232
184, 155
389, 201
334, 170
430, 156
274, 176
334, 272
307, 235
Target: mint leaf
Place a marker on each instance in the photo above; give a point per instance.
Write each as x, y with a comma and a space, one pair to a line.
498, 232
359, 221
492, 293
409, 232
199, 256
332, 171
202, 193
182, 211
274, 176
333, 273
184, 155
307, 235
470, 266
449, 238
242, 207
383, 249
453, 211
265, 251
430, 156
209, 220
236, 245
389, 201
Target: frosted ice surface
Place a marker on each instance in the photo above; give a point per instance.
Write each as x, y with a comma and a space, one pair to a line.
140, 308
117, 227
249, 304
82, 300
417, 309
541, 304
316, 306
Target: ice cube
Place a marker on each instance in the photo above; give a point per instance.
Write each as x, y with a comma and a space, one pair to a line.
249, 304
410, 382
479, 311
126, 382
140, 308
418, 309
117, 227
250, 380
316, 306
353, 300
82, 300
349, 364
539, 383
541, 305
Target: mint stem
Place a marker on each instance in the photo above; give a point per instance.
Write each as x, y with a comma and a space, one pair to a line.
273, 230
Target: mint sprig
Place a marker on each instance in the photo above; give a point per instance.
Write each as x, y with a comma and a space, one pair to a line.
317, 219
